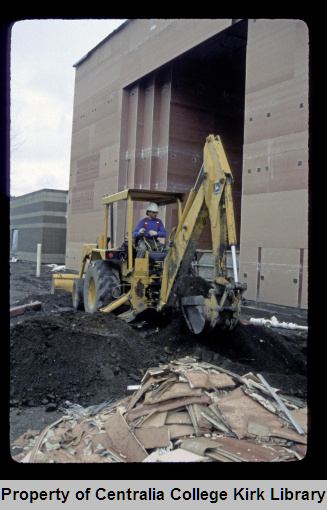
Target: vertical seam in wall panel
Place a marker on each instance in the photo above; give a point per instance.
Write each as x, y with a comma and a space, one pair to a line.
258, 273
299, 295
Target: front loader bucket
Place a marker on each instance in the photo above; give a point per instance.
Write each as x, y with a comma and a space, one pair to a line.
63, 282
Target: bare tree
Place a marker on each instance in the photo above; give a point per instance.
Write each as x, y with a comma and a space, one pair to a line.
16, 142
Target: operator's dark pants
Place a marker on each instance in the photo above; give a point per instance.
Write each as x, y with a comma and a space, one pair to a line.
149, 244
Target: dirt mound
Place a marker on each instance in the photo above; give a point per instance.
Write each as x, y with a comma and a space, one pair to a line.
89, 358
76, 356
276, 354
58, 354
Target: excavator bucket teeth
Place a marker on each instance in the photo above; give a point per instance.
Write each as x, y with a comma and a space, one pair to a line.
194, 311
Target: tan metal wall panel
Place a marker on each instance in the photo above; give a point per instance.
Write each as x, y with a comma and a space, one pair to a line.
87, 227
248, 270
275, 162
278, 164
272, 47
275, 219
80, 145
279, 276
278, 119
109, 159
303, 297
150, 43
280, 92
96, 106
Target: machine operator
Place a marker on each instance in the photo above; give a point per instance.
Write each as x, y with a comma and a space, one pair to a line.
147, 232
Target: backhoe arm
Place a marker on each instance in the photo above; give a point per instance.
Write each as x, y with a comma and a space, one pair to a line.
211, 198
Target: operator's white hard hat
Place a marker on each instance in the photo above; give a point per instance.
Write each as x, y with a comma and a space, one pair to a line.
152, 207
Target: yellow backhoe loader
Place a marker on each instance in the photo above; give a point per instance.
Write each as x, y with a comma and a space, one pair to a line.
114, 279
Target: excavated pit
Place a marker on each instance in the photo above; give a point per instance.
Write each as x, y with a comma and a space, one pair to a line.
58, 354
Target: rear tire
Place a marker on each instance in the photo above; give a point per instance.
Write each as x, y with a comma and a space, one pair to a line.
101, 279
78, 294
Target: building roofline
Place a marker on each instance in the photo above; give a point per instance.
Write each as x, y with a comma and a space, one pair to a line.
114, 32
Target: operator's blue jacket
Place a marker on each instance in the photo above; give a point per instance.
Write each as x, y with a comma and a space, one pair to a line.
148, 224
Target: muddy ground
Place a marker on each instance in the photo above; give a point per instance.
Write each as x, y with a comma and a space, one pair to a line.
60, 357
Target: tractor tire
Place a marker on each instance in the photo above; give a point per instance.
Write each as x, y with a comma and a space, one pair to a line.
101, 278
78, 294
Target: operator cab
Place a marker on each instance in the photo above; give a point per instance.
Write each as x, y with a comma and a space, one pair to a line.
126, 251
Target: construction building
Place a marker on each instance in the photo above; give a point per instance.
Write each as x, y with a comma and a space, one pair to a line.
145, 100
36, 218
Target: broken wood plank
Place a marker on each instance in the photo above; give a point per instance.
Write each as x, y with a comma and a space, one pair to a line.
163, 387
237, 408
201, 424
301, 416
213, 414
289, 434
167, 405
199, 445
181, 455
60, 456
209, 380
156, 419
282, 405
138, 394
179, 418
154, 371
153, 437
20, 310
100, 442
246, 451
123, 439
180, 430
258, 428
95, 458
177, 390
218, 457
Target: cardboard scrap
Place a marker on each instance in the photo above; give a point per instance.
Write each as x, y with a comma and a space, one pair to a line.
186, 411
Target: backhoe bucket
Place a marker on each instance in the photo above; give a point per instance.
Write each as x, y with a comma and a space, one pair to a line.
194, 311
63, 282
205, 313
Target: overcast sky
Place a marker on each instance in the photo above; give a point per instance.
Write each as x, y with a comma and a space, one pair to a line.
43, 53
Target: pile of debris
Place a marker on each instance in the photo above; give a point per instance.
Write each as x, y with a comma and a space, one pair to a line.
183, 411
